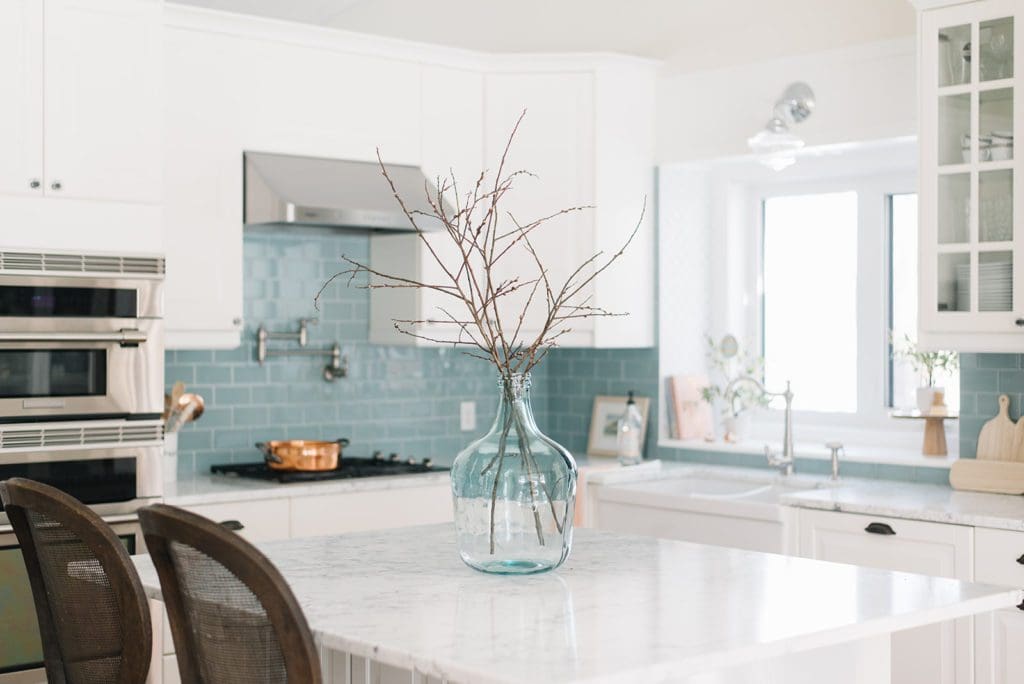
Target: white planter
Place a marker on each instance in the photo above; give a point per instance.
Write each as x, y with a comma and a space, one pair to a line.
925, 396
736, 428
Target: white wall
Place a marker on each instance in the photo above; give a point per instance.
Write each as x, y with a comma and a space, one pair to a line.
867, 92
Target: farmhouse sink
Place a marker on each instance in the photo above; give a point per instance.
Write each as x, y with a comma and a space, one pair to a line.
744, 494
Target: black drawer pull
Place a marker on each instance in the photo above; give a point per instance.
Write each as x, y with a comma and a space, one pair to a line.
1021, 559
1020, 606
1019, 322
879, 528
232, 525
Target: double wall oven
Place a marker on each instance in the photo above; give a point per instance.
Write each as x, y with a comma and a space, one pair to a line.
81, 396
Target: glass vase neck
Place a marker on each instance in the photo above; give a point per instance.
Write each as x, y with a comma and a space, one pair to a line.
514, 386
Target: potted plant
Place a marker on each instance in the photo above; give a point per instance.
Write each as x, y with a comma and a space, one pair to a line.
926, 364
514, 488
727, 361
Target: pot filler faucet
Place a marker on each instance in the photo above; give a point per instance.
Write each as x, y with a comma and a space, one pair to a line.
784, 462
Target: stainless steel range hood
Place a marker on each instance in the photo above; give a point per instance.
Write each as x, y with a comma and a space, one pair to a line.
284, 190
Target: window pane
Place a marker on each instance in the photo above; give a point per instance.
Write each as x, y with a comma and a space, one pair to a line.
810, 299
903, 307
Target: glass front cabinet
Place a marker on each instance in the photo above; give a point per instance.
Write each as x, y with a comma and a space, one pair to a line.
971, 232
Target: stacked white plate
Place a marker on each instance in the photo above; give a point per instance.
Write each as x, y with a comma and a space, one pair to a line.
995, 286
963, 287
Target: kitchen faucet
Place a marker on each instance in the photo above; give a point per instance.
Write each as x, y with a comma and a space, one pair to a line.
784, 462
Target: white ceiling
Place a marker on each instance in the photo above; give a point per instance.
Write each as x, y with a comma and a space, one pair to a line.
689, 34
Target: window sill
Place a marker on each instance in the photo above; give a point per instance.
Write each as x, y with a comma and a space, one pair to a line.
817, 452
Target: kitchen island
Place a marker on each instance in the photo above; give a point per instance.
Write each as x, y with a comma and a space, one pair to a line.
622, 609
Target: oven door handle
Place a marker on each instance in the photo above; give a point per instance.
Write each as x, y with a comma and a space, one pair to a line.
126, 337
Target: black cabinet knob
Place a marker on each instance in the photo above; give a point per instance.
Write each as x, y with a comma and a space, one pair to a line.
1021, 559
1020, 606
879, 528
1019, 322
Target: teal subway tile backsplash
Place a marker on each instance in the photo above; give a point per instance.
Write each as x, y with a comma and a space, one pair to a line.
406, 399
403, 399
983, 377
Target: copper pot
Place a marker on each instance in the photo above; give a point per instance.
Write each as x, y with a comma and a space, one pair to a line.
302, 454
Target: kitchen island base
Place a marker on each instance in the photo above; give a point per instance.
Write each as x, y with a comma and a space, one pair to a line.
856, 662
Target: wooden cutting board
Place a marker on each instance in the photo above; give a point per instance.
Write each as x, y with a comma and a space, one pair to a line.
997, 477
997, 437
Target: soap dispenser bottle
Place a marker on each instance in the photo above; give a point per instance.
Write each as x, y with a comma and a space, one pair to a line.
630, 427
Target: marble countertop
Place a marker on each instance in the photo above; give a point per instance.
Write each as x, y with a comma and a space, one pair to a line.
621, 609
206, 488
934, 503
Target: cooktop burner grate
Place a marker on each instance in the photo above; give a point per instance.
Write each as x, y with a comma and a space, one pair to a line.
349, 467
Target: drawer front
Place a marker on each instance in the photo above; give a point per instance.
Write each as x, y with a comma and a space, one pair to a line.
887, 543
999, 557
374, 510
264, 520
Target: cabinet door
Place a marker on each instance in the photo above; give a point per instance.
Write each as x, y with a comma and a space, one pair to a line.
21, 82
371, 510
556, 143
719, 530
934, 654
102, 95
451, 101
262, 520
453, 104
971, 230
999, 559
202, 191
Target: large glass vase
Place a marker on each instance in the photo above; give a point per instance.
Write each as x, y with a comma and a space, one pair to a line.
514, 491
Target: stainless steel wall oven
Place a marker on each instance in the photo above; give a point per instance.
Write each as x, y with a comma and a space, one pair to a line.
81, 336
81, 397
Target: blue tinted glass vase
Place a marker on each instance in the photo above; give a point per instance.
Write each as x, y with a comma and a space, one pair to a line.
514, 491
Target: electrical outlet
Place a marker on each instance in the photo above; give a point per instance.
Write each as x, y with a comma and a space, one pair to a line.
467, 416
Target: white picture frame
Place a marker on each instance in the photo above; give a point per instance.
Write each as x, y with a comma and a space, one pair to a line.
603, 436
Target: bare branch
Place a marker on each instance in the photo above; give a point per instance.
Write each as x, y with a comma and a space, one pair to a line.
494, 303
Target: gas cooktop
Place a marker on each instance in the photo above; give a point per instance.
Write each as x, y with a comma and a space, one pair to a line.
349, 467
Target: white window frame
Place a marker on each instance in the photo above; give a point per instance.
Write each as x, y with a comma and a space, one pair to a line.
873, 282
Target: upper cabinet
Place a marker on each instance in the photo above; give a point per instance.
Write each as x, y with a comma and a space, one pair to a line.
102, 93
587, 139
971, 232
21, 79
82, 119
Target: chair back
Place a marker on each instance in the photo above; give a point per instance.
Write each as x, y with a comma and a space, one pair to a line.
233, 617
93, 615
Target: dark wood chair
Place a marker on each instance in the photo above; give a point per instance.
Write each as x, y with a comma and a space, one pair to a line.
93, 615
233, 617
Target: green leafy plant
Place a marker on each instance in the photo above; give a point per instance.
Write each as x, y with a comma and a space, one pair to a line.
726, 362
927, 363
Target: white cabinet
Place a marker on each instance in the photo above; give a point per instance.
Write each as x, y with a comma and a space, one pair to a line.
83, 75
260, 520
21, 80
971, 254
80, 168
999, 559
667, 509
233, 85
313, 516
936, 654
102, 99
451, 101
587, 136
203, 192
701, 528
